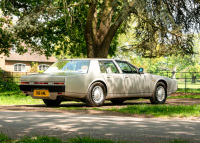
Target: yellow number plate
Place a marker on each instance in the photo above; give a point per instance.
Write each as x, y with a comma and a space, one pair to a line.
44, 93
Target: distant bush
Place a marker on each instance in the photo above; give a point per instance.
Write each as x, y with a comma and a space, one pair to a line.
7, 82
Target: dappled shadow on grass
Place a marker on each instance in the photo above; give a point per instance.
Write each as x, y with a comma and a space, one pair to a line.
108, 104
75, 107
133, 108
81, 104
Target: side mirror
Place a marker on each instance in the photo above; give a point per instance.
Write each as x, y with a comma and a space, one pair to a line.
141, 70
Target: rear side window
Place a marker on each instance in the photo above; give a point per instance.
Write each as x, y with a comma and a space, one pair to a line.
108, 67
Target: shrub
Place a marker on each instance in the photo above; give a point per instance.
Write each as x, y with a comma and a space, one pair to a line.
7, 82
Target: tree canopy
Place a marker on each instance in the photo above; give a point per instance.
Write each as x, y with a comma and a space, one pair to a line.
91, 27
172, 63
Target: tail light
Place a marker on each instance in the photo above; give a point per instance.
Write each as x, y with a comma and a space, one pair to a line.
59, 83
24, 82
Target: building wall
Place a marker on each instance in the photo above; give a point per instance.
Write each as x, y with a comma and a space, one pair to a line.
2, 62
9, 65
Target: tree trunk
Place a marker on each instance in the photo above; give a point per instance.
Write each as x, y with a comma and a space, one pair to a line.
88, 30
98, 40
193, 78
174, 73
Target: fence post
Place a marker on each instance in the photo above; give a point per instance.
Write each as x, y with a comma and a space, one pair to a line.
185, 82
12, 77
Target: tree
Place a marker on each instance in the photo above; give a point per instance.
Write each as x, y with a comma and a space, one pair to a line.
34, 67
91, 26
5, 36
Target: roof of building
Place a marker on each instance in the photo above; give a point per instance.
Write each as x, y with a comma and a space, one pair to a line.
33, 57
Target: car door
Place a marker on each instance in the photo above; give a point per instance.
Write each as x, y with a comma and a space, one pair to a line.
135, 83
114, 80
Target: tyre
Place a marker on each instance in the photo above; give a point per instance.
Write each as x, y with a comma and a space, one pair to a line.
96, 95
52, 102
117, 102
160, 94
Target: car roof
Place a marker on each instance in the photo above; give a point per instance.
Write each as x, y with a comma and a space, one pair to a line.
117, 60
93, 59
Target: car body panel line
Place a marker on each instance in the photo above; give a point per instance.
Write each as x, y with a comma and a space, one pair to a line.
114, 96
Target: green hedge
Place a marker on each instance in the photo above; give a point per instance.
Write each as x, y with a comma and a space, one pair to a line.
7, 82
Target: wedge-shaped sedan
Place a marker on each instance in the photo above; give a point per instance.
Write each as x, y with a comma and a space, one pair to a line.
95, 80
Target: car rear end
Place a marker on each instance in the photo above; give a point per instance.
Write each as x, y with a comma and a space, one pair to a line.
43, 86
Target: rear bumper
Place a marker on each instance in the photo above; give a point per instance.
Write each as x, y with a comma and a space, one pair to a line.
52, 95
54, 91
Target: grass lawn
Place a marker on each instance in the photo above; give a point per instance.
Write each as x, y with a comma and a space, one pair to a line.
45, 139
184, 96
187, 90
17, 98
189, 85
154, 110
162, 110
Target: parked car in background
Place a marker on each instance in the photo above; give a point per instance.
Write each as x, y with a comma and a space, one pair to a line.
95, 80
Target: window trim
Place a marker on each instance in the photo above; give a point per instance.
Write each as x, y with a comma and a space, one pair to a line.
133, 66
21, 64
42, 65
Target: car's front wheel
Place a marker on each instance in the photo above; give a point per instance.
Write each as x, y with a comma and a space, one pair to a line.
160, 94
52, 102
96, 95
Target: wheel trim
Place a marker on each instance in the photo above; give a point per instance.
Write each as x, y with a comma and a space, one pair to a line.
160, 93
97, 94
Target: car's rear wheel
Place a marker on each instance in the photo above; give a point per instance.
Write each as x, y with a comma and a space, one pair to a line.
52, 102
160, 94
96, 95
117, 102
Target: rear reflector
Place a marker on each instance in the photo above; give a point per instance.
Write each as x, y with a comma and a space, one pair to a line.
40, 82
24, 82
59, 93
60, 83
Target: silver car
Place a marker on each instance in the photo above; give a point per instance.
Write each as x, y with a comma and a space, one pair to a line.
95, 80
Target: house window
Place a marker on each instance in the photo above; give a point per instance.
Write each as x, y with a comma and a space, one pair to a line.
43, 67
20, 67
13, 48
